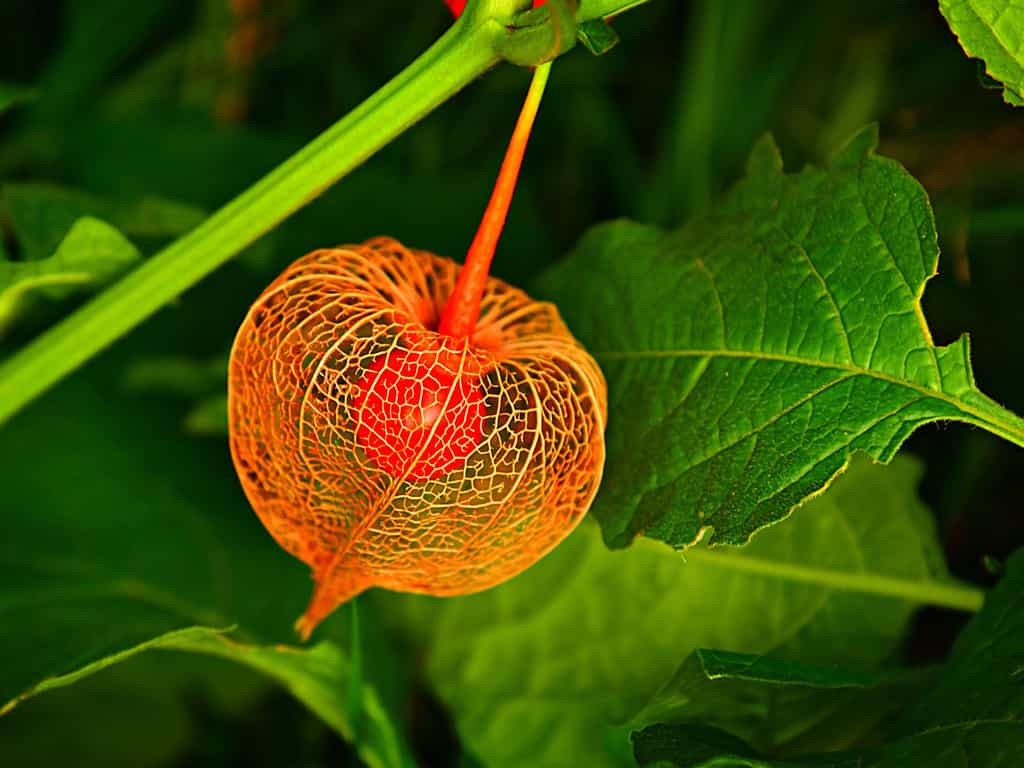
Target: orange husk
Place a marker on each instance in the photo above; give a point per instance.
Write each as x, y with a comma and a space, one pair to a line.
297, 397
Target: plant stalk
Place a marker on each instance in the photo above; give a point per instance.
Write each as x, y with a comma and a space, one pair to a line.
463, 53
463, 306
468, 49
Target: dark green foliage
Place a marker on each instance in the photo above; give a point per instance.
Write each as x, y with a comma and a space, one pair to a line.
759, 330
973, 713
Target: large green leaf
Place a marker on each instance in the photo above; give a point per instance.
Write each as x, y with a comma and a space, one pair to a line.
92, 253
122, 535
550, 664
751, 353
992, 30
972, 715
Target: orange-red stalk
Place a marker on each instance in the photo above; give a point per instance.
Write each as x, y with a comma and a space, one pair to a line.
463, 306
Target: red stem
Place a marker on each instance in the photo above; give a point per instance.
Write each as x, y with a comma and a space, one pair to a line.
463, 306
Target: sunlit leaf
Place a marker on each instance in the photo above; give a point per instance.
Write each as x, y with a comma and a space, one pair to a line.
992, 30
751, 353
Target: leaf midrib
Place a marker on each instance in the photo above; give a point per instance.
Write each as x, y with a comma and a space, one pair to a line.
949, 593
1004, 428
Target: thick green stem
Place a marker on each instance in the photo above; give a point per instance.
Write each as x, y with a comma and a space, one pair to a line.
484, 33
462, 54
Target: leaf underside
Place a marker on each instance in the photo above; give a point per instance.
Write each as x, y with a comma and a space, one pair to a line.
971, 715
752, 352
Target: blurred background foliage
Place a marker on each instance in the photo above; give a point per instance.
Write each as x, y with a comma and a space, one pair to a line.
150, 114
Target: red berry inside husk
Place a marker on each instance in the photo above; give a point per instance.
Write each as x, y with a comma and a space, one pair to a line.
419, 415
336, 375
394, 425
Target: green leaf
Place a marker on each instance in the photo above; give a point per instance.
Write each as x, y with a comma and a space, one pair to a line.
598, 36
778, 705
125, 536
92, 253
751, 353
317, 677
992, 30
146, 706
972, 715
458, 57
41, 214
554, 662
12, 95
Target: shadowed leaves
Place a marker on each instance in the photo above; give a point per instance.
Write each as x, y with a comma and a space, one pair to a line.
162, 553
971, 715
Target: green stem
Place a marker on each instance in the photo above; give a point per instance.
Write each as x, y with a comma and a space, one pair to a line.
459, 56
949, 594
986, 413
466, 51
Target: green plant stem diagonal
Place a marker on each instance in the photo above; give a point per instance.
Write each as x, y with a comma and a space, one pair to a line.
467, 50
